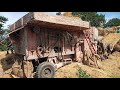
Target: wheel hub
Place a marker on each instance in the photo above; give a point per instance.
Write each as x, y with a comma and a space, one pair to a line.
46, 72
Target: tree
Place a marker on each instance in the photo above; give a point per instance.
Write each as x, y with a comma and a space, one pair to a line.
113, 22
3, 20
93, 17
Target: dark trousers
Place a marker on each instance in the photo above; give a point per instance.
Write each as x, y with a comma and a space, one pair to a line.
11, 49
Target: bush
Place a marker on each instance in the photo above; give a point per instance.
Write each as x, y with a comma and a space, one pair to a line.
3, 46
83, 74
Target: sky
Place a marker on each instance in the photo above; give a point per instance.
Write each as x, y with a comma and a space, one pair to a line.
14, 16
110, 15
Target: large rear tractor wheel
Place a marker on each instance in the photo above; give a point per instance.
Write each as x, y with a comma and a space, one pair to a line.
45, 70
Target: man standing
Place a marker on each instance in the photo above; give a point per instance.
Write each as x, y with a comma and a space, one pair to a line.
78, 53
9, 46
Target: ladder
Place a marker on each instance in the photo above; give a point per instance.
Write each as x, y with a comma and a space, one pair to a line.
94, 56
91, 46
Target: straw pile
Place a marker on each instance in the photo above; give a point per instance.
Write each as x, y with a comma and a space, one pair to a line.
5, 69
68, 71
71, 71
69, 14
2, 54
106, 31
111, 68
111, 38
112, 65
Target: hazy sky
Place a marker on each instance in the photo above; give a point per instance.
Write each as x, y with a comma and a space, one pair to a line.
14, 16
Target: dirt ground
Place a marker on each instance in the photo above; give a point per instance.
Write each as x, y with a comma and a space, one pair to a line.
111, 68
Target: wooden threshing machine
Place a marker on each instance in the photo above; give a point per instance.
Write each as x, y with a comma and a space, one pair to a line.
46, 42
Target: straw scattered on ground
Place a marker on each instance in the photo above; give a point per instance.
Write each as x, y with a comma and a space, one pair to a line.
71, 71
111, 68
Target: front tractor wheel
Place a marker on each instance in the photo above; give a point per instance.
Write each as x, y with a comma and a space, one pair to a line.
45, 70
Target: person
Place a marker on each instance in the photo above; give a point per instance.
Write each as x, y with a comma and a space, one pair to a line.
78, 53
9, 46
39, 50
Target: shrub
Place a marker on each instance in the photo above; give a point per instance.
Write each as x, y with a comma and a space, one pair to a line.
83, 74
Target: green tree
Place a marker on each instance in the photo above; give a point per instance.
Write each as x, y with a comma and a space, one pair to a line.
3, 31
113, 22
2, 21
95, 19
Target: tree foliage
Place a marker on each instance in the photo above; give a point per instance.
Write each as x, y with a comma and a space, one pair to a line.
3, 20
113, 22
94, 18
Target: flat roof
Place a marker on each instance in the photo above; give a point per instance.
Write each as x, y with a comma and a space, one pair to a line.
51, 21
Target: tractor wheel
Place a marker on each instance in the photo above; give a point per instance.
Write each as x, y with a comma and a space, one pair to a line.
45, 70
